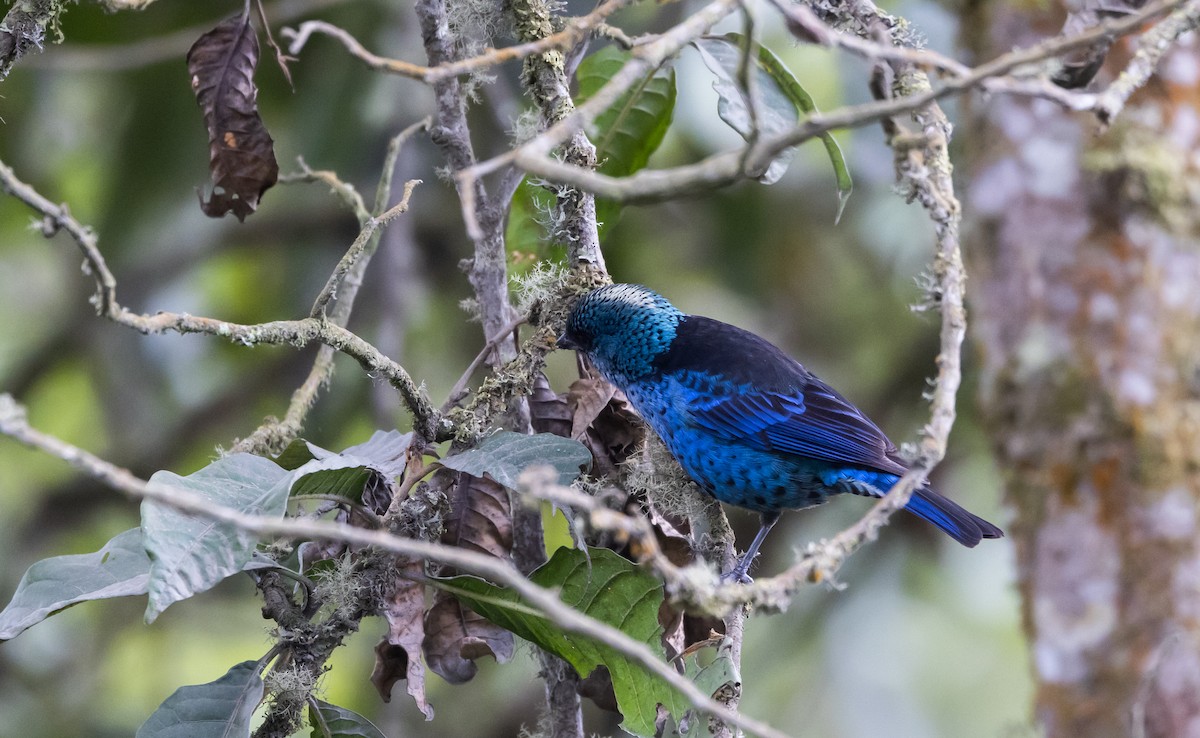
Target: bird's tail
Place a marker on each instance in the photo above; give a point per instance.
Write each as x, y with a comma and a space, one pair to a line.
964, 527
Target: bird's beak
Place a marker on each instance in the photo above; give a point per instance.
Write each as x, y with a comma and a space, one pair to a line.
566, 343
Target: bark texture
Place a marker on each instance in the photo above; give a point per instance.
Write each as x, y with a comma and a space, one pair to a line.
1084, 254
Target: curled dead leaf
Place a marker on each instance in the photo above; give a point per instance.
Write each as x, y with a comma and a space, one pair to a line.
598, 687
595, 413
242, 162
587, 397
549, 411
398, 655
456, 636
480, 516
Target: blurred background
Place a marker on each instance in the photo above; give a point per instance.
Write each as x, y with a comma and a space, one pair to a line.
923, 641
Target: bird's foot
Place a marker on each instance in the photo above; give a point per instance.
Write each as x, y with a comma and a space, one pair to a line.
739, 574
736, 576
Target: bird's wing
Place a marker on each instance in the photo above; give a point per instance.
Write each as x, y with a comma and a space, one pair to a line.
741, 387
813, 421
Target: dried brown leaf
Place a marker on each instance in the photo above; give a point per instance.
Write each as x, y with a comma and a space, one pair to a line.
456, 636
598, 687
480, 518
671, 621
587, 398
241, 153
391, 665
684, 634
592, 411
480, 515
613, 435
398, 656
672, 538
548, 411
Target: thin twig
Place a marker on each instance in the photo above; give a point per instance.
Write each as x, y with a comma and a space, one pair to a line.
281, 58
1151, 48
58, 217
727, 167
460, 389
362, 248
574, 31
156, 49
646, 58
296, 333
345, 191
414, 471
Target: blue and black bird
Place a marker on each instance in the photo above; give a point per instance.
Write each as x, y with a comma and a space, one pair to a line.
747, 422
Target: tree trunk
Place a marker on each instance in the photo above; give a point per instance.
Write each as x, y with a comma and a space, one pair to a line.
1084, 254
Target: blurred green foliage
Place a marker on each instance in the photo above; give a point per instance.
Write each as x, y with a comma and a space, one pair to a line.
925, 640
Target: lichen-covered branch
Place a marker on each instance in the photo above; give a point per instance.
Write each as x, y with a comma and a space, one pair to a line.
296, 333
547, 81
719, 170
26, 27
574, 31
1152, 46
274, 435
924, 171
13, 423
487, 269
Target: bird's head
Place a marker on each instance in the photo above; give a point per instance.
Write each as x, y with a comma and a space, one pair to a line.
622, 328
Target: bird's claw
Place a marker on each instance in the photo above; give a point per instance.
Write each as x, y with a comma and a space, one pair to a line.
737, 576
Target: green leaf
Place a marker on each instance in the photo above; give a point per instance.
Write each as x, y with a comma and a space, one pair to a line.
805, 104
190, 554
295, 455
630, 130
625, 136
385, 450
610, 589
525, 236
220, 709
347, 473
119, 569
719, 675
342, 723
504, 455
782, 101
336, 476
